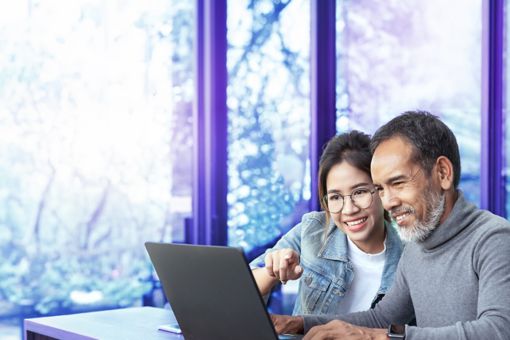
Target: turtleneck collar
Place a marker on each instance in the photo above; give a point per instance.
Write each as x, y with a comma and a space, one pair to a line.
457, 220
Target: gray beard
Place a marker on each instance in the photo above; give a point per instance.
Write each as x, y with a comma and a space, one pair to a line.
422, 229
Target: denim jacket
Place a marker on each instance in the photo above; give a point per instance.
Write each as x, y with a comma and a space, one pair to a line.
327, 271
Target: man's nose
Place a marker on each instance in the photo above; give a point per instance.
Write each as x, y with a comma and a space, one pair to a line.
389, 200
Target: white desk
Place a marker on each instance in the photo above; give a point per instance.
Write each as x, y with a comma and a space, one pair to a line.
129, 323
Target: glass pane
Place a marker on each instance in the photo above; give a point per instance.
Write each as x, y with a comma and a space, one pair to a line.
404, 55
268, 117
95, 151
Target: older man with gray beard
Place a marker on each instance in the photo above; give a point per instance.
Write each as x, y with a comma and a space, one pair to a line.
454, 274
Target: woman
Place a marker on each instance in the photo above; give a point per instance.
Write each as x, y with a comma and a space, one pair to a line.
345, 256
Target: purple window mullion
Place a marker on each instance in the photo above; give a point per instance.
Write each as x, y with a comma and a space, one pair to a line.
209, 222
492, 181
322, 89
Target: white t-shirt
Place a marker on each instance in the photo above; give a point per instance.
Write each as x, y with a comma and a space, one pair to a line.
368, 269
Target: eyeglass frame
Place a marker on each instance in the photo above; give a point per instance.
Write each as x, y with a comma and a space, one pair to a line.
325, 200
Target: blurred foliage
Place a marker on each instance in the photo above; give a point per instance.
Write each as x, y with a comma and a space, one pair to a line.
269, 124
95, 148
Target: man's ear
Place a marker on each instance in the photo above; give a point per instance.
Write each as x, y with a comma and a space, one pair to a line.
444, 169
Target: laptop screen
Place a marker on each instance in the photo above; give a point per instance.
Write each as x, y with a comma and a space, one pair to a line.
211, 291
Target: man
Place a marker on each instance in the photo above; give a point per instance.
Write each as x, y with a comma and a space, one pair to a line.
454, 274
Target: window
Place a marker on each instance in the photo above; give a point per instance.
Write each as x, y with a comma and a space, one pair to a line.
268, 118
398, 56
95, 151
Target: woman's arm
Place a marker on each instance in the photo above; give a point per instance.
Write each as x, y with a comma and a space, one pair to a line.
280, 265
282, 262
264, 281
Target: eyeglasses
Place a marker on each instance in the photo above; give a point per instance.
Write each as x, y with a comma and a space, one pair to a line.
362, 198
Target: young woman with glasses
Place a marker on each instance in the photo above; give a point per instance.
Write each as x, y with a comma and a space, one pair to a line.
345, 256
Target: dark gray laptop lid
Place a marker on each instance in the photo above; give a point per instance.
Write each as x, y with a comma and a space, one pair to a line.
211, 291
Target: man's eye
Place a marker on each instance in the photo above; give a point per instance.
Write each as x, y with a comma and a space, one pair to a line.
398, 184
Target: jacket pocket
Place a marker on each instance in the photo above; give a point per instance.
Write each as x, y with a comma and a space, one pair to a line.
314, 288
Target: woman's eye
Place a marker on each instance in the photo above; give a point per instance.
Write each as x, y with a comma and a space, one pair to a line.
334, 197
359, 192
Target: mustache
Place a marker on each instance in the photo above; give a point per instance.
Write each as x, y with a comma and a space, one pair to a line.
401, 210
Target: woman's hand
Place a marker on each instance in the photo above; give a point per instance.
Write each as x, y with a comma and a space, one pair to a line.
283, 265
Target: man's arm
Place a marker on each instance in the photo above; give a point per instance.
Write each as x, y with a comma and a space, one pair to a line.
345, 331
492, 265
335, 329
396, 307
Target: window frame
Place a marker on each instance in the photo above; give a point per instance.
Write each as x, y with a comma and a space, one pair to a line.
210, 208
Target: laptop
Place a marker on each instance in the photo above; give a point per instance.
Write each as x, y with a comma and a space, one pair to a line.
212, 292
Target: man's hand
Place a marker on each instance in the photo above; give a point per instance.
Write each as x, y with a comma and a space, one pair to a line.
287, 324
337, 329
283, 264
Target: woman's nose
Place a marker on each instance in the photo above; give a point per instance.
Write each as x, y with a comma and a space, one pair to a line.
349, 206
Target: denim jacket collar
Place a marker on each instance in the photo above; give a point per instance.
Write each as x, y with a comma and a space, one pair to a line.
335, 245
393, 251
335, 248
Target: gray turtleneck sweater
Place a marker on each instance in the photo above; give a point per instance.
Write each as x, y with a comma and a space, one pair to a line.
456, 282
